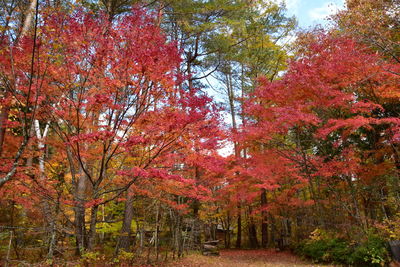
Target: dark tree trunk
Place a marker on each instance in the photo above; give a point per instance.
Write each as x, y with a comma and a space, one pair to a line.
196, 208
396, 155
273, 236
228, 232
239, 227
252, 230
156, 241
3, 121
264, 223
253, 235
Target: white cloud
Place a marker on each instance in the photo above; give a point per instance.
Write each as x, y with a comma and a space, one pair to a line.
324, 11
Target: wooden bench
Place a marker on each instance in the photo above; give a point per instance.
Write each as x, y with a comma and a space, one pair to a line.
210, 248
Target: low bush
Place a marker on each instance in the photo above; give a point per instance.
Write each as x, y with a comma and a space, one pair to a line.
324, 250
371, 252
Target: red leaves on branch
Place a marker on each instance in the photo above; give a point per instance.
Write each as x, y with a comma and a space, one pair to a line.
334, 90
112, 92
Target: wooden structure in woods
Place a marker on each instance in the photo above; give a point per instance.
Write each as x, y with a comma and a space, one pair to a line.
210, 248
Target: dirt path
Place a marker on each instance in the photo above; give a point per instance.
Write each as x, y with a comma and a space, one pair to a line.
244, 258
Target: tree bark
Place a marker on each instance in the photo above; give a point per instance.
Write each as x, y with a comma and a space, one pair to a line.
3, 122
264, 223
239, 227
252, 230
196, 208
156, 243
124, 240
80, 228
92, 230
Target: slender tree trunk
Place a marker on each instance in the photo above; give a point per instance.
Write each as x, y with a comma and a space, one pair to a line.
80, 231
239, 226
273, 236
178, 235
176, 228
252, 230
48, 211
103, 217
53, 230
196, 208
253, 234
227, 231
124, 240
3, 122
157, 231
359, 217
92, 229
264, 223
80, 228
231, 98
396, 155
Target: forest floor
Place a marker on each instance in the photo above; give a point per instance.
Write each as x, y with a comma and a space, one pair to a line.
244, 258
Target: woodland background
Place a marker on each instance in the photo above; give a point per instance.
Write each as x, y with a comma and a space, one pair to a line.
110, 141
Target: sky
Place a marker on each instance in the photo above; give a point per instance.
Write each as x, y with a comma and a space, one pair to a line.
312, 12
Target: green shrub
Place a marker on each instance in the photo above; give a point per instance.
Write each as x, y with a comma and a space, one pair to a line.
372, 252
340, 251
326, 250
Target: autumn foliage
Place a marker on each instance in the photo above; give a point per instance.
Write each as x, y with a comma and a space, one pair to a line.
111, 149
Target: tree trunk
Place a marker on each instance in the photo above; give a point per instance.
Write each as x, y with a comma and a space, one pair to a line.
273, 236
264, 223
48, 212
227, 231
80, 229
252, 230
53, 231
239, 227
156, 243
253, 234
3, 122
178, 235
92, 230
196, 208
124, 240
